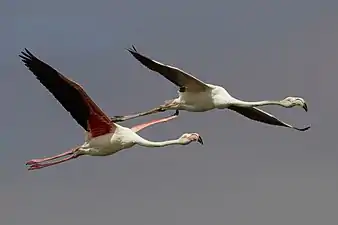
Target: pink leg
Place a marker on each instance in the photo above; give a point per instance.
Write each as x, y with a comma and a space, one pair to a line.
167, 104
128, 117
40, 166
34, 161
144, 125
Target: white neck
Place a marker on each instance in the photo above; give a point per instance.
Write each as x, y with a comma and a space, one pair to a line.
143, 142
256, 103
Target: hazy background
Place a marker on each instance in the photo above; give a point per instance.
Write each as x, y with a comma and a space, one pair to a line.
247, 173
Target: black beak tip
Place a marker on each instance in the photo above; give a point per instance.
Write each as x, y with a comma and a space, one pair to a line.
305, 107
200, 140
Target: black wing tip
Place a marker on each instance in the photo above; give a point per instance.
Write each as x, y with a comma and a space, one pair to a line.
303, 129
26, 56
177, 112
26, 52
132, 49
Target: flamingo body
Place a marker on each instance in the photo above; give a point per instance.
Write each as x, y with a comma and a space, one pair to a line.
109, 144
202, 101
195, 95
103, 137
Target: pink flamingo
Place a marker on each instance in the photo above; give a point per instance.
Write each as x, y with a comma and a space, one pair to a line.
103, 137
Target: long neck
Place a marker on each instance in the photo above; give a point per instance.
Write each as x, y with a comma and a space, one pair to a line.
257, 103
143, 142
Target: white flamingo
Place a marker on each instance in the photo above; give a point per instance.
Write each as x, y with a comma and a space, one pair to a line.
103, 136
197, 96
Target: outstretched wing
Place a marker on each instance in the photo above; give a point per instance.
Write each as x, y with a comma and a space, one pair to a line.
262, 116
177, 76
70, 95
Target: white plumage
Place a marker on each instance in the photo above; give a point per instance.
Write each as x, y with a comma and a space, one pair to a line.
102, 137
198, 96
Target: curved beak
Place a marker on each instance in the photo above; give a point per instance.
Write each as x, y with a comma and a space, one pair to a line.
200, 140
305, 106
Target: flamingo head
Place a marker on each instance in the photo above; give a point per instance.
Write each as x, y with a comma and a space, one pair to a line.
187, 138
295, 101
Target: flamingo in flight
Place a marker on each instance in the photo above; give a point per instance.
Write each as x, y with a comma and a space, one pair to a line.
197, 96
103, 137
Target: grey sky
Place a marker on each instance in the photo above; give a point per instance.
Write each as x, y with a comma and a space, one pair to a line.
247, 173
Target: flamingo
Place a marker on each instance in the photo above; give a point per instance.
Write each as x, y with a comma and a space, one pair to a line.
103, 137
198, 96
